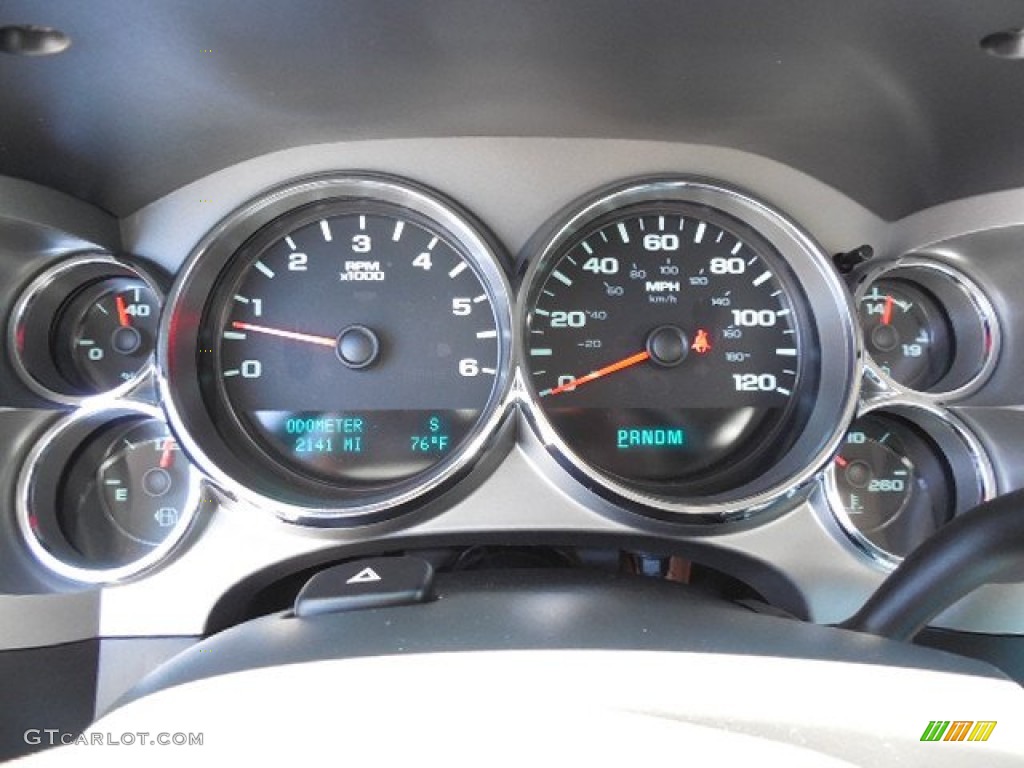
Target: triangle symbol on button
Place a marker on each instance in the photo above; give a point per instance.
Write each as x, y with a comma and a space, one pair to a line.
365, 576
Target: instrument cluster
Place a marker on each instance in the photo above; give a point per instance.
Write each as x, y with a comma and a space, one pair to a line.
344, 349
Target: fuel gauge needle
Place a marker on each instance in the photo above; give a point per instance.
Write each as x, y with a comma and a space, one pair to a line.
627, 362
167, 457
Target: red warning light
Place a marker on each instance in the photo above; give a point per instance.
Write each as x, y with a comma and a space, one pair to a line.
701, 343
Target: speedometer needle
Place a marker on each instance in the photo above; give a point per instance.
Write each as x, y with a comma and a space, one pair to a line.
627, 362
323, 341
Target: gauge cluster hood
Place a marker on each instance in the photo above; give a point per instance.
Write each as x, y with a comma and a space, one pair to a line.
151, 95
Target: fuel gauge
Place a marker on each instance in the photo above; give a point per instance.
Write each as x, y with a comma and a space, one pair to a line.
144, 482
106, 494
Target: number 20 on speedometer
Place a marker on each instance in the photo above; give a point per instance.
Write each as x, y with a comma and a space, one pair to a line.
669, 348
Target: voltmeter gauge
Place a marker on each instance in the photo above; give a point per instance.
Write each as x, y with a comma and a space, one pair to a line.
907, 333
927, 327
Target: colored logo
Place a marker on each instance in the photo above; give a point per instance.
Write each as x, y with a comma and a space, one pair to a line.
958, 730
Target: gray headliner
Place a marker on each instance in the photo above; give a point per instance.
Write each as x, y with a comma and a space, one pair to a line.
137, 107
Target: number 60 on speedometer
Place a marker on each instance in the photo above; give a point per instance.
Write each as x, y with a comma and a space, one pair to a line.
676, 349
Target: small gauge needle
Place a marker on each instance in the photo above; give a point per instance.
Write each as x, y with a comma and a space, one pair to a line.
841, 461
887, 313
324, 341
593, 375
167, 457
122, 312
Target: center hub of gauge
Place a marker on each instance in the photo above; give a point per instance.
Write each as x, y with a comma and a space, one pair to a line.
358, 347
667, 345
885, 337
125, 340
157, 481
858, 474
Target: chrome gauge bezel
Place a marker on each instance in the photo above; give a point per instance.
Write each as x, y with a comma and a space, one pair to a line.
179, 343
969, 309
966, 457
830, 309
94, 266
90, 417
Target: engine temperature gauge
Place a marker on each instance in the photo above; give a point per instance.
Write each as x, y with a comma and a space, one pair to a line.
902, 474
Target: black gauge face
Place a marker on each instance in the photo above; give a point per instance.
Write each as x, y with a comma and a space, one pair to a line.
666, 349
85, 326
144, 483
352, 344
907, 333
893, 484
105, 335
120, 493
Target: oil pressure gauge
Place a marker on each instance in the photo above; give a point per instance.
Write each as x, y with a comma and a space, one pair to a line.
85, 327
106, 334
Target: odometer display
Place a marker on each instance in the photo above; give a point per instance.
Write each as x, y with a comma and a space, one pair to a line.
664, 348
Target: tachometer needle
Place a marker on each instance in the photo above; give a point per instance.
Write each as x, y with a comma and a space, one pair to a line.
627, 362
122, 312
887, 312
324, 341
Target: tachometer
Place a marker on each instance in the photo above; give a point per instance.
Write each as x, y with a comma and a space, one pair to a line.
675, 347
354, 350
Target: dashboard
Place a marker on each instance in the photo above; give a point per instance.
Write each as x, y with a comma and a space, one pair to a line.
764, 334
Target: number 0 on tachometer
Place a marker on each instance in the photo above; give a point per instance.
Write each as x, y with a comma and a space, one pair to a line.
354, 350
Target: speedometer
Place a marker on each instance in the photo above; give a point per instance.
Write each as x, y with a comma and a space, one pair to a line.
678, 344
353, 353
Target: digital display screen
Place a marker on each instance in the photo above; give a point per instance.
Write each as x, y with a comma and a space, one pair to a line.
663, 446
368, 447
